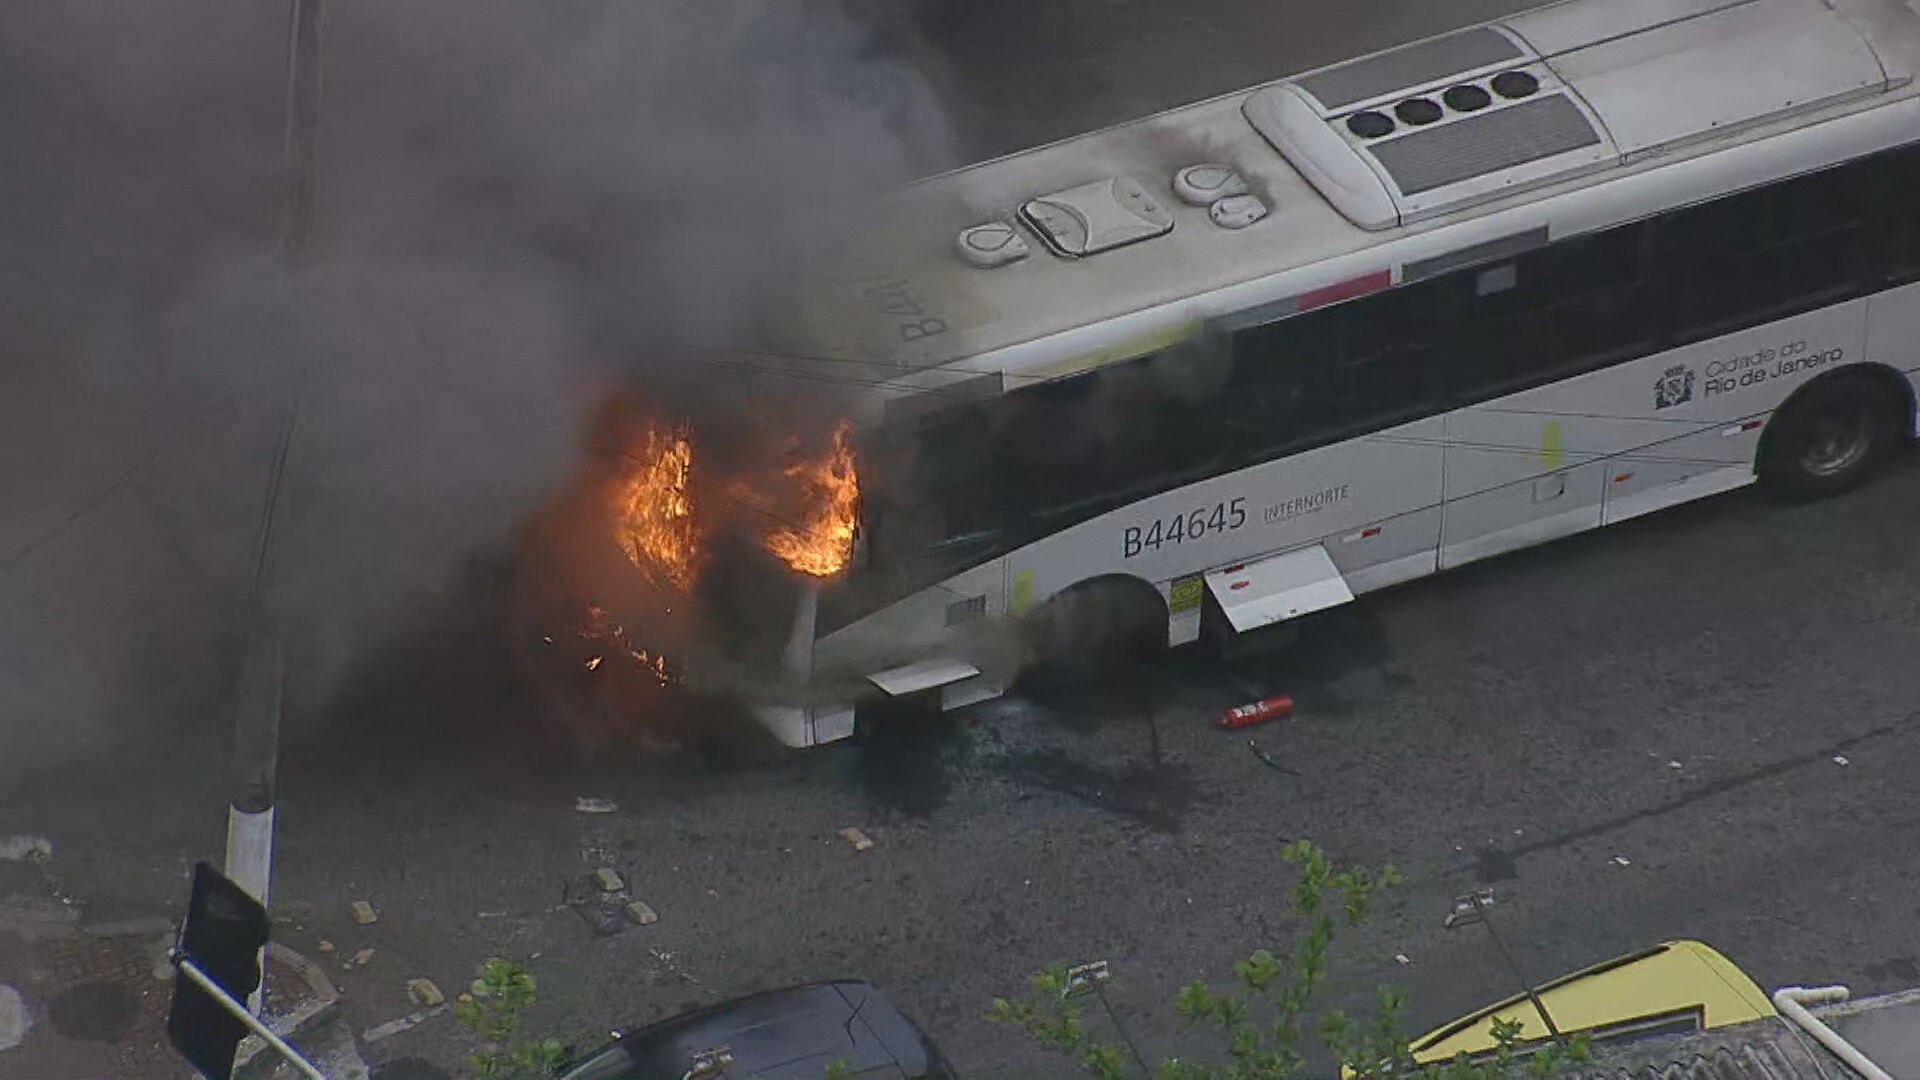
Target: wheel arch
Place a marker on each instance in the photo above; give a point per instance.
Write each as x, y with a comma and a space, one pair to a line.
1110, 606
1885, 379
1116, 583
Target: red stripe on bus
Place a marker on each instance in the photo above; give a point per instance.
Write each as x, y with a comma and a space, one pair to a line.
1344, 290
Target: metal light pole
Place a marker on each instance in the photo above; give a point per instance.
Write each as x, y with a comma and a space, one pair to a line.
1472, 908
256, 722
303, 113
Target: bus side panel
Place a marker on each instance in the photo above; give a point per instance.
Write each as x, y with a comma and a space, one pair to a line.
934, 622
1383, 480
1402, 549
1625, 440
1710, 391
1513, 480
1893, 332
1400, 539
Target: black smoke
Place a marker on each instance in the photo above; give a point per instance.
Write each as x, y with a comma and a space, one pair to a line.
521, 209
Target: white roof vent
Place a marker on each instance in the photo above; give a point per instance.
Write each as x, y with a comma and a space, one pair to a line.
994, 244
1097, 217
1237, 211
1203, 185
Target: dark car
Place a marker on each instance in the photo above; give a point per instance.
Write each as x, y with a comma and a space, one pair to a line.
793, 1034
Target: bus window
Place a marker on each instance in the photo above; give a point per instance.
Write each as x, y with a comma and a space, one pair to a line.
1282, 385
1703, 258
1764, 254
1340, 371
1573, 306
1600, 311
927, 482
1819, 225
1900, 183
1395, 348
1509, 333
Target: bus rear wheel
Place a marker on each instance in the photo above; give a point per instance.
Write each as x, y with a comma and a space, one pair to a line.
1829, 438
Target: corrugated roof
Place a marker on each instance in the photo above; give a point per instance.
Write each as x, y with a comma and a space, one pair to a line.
1720, 1058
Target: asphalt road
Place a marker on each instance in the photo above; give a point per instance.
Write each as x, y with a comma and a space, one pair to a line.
1515, 724
1632, 735
1703, 724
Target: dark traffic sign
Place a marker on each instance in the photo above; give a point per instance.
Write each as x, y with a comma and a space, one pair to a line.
225, 930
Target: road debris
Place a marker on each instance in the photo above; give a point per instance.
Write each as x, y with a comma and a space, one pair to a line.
15, 1019
1841, 760
364, 914
666, 960
424, 992
22, 848
1267, 759
405, 1023
860, 841
641, 913
600, 899
586, 805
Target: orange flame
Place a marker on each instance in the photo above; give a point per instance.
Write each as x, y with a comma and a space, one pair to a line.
601, 627
822, 543
653, 512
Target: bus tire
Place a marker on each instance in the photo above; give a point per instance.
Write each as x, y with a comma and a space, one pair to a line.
877, 719
1087, 633
1828, 438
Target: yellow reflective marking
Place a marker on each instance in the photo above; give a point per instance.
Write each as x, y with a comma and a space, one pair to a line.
1022, 591
1552, 453
1152, 341
1186, 594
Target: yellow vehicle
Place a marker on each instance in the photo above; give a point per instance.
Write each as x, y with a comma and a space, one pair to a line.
1675, 988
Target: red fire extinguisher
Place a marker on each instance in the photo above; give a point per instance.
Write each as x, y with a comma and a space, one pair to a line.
1258, 712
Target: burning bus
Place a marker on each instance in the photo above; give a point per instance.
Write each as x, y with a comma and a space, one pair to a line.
677, 561
1248, 359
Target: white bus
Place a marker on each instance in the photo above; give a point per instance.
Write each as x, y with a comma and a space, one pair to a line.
1250, 358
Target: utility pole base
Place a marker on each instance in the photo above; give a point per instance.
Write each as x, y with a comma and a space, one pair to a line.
250, 866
